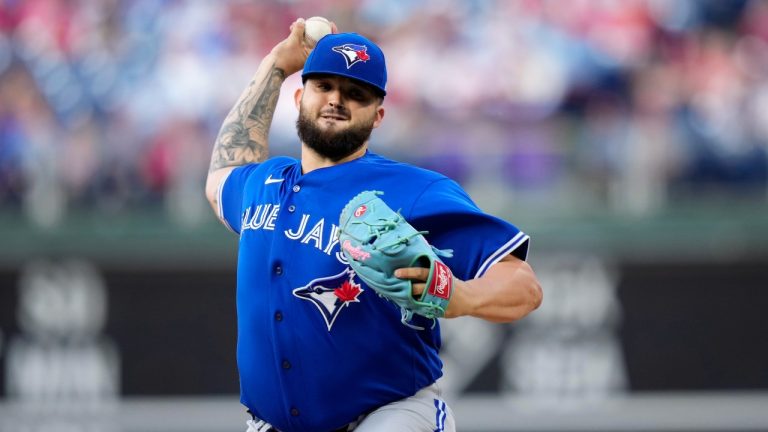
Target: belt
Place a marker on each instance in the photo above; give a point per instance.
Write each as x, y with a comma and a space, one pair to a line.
344, 428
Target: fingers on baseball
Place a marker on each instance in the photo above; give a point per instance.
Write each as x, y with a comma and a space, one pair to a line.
297, 27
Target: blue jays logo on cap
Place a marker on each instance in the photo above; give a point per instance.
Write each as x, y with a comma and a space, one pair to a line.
353, 53
331, 294
356, 50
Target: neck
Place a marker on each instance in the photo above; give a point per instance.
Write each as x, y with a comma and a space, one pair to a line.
311, 160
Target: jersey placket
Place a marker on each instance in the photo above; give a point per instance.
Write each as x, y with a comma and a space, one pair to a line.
280, 301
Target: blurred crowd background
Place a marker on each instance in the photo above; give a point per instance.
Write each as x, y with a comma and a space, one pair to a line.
622, 106
629, 138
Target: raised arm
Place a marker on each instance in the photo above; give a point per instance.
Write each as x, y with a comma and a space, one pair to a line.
243, 137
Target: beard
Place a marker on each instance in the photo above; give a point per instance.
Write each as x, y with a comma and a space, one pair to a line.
331, 143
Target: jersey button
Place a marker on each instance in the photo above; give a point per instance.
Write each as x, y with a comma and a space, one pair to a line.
286, 364
296, 188
278, 270
291, 208
295, 412
278, 316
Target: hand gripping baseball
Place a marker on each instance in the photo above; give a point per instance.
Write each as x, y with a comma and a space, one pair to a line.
291, 53
377, 241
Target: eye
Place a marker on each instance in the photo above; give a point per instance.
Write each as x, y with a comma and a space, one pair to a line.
358, 94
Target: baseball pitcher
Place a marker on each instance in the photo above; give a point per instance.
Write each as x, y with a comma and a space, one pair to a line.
347, 259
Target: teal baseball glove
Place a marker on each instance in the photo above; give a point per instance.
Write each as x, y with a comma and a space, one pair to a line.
377, 240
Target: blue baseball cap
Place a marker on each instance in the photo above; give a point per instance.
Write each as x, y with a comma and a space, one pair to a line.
350, 55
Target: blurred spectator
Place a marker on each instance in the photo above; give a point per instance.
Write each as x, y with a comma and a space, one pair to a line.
113, 105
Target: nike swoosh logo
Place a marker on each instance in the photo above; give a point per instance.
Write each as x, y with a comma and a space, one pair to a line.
270, 180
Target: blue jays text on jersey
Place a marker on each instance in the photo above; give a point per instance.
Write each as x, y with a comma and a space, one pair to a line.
322, 234
316, 347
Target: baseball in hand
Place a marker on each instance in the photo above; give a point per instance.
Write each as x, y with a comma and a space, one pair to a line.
314, 29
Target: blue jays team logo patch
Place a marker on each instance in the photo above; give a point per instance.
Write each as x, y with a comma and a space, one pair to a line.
331, 294
353, 53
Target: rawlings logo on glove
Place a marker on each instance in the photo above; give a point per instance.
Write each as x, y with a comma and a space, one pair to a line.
442, 284
356, 253
377, 241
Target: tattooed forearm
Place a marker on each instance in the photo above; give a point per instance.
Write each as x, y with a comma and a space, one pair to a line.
243, 135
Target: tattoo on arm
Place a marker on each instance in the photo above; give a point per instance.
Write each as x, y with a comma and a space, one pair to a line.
243, 135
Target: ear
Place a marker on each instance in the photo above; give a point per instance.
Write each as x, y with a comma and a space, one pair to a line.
297, 97
379, 116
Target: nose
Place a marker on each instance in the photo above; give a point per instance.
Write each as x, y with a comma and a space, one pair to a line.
335, 99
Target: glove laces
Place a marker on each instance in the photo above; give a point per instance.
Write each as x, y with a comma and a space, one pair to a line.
376, 229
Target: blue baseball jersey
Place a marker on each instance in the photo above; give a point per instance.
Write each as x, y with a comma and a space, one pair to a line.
316, 346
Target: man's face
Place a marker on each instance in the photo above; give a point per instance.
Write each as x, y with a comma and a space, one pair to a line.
336, 115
